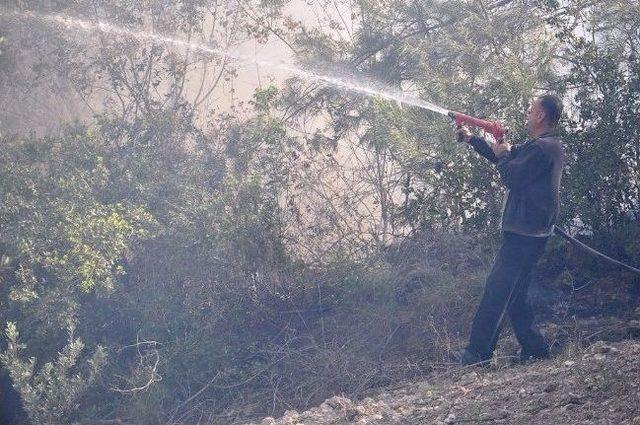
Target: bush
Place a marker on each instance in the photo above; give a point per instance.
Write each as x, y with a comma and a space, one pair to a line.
51, 394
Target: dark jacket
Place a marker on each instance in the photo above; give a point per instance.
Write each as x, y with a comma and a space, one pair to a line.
531, 172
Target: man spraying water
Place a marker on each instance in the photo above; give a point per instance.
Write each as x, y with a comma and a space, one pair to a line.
531, 174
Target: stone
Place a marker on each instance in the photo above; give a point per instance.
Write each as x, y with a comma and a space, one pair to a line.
601, 349
574, 399
290, 416
451, 418
338, 403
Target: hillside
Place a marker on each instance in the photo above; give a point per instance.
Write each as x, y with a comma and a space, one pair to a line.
591, 381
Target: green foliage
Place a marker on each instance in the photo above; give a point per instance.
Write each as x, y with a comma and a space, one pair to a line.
54, 214
64, 237
263, 98
601, 185
51, 393
602, 137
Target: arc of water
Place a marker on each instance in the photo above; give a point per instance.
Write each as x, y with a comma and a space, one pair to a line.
342, 83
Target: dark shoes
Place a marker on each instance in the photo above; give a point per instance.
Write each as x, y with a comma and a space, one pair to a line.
531, 356
467, 358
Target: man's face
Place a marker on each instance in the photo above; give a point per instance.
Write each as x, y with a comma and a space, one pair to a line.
535, 117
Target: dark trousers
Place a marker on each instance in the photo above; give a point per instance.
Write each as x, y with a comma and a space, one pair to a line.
505, 293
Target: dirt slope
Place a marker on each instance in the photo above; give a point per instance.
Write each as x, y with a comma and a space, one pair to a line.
595, 384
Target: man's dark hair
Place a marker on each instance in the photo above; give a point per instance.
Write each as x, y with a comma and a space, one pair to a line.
553, 107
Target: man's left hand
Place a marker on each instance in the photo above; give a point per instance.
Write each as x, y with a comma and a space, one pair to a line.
500, 149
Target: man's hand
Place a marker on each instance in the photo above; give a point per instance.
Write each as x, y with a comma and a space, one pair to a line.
463, 134
500, 149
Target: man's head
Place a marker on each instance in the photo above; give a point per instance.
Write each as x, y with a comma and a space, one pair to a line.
544, 114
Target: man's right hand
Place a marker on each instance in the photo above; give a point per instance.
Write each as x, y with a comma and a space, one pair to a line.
463, 134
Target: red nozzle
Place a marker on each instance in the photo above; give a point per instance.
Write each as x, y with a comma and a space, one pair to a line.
494, 127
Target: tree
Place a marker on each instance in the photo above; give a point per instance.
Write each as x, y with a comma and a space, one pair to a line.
88, 72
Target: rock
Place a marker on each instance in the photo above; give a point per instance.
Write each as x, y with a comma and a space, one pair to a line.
362, 411
290, 416
351, 414
551, 387
338, 403
405, 410
451, 418
601, 348
468, 378
569, 363
574, 399
268, 421
426, 393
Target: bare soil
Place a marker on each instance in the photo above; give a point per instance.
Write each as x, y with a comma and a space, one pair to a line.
591, 381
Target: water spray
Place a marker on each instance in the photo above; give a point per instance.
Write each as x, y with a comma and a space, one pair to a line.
493, 127
351, 85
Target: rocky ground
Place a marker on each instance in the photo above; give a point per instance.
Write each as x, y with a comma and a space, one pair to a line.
591, 381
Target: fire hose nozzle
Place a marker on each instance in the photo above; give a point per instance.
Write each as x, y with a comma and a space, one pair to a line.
495, 128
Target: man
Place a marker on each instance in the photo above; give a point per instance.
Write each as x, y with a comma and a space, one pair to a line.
531, 173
